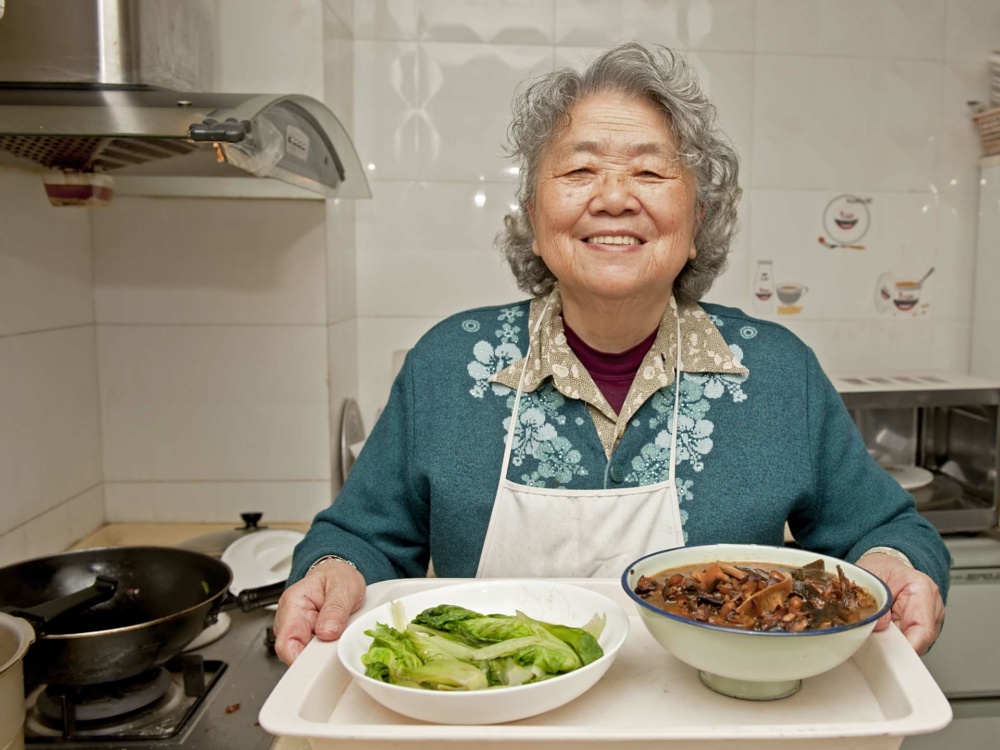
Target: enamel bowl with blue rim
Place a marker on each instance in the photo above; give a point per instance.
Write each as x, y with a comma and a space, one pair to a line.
752, 664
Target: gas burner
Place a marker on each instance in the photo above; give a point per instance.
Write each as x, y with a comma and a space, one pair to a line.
234, 675
103, 703
153, 705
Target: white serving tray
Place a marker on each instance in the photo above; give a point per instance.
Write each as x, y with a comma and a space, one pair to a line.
646, 700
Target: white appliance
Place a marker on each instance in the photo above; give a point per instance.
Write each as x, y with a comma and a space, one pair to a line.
947, 426
965, 661
985, 360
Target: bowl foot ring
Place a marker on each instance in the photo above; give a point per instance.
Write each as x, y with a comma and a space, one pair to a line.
751, 691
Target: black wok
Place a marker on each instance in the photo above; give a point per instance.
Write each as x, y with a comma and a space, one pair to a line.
164, 597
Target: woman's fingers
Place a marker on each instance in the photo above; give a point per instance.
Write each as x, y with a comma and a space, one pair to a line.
293, 622
917, 608
883, 621
320, 603
919, 613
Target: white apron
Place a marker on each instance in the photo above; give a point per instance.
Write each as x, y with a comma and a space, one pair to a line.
551, 533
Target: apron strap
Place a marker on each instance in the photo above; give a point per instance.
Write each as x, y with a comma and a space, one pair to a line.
516, 414
677, 403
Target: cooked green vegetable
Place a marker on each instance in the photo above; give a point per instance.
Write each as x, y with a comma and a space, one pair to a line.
452, 648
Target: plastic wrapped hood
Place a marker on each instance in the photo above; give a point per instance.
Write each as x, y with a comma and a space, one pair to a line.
144, 133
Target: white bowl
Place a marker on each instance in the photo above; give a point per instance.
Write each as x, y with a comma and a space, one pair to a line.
550, 601
755, 665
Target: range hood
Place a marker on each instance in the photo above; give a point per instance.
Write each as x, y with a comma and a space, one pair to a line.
95, 91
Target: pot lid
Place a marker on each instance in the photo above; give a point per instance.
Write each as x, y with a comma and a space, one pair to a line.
262, 558
215, 543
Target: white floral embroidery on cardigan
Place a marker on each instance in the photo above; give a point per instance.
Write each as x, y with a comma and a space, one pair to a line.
703, 350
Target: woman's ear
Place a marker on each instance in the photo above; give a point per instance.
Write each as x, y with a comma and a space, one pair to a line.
699, 215
531, 221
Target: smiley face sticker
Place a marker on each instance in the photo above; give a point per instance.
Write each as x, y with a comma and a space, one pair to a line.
846, 220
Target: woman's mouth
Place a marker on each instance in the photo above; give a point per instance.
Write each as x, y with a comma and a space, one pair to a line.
613, 239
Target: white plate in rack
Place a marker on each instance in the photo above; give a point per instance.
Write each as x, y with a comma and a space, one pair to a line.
909, 477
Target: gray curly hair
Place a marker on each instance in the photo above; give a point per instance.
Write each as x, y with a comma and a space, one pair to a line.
661, 76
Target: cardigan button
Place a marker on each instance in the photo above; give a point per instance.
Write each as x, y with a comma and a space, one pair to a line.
617, 473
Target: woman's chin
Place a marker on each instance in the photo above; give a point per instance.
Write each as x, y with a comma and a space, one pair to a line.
613, 290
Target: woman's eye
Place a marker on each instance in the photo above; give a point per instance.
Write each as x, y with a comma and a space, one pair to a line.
650, 173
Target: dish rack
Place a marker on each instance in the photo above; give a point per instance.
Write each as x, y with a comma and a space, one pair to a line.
989, 130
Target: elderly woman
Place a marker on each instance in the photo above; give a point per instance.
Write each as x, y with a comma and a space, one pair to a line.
610, 415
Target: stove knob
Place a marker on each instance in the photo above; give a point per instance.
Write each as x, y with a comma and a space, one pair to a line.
269, 639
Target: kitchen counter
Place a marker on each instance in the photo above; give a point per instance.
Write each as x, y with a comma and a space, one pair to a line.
161, 534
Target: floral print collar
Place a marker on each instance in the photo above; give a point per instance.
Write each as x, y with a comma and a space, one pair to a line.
549, 356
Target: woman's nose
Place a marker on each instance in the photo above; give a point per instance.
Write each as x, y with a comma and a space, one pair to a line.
614, 194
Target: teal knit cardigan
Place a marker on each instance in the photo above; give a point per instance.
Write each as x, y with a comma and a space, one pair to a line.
754, 451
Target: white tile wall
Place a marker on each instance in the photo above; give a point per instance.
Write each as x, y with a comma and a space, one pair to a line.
464, 102
179, 502
213, 403
973, 29
342, 345
962, 81
45, 269
50, 442
732, 287
213, 356
341, 260
264, 47
898, 29
828, 122
491, 21
56, 529
48, 399
212, 323
189, 261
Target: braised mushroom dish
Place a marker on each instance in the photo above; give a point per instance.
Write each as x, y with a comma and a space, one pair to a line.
759, 596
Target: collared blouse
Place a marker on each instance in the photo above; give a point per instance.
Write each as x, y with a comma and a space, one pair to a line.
703, 350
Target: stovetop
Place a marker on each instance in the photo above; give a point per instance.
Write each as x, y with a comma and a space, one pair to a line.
227, 717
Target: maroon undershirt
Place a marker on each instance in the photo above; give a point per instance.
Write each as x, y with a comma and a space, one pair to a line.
612, 373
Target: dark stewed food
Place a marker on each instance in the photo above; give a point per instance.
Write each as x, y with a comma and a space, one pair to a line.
759, 596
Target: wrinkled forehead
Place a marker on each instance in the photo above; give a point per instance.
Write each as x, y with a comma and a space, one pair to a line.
609, 122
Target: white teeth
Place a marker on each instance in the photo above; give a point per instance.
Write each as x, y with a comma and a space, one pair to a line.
613, 239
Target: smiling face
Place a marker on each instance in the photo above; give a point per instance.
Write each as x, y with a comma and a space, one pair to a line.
614, 214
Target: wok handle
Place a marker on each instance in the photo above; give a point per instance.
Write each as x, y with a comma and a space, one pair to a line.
101, 590
251, 599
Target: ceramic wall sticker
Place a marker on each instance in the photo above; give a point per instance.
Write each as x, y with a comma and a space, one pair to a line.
790, 294
763, 288
901, 295
770, 296
845, 221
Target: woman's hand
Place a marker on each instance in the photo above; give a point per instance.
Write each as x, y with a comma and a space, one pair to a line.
320, 603
917, 607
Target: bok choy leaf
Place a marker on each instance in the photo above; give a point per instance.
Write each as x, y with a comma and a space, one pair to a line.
452, 648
